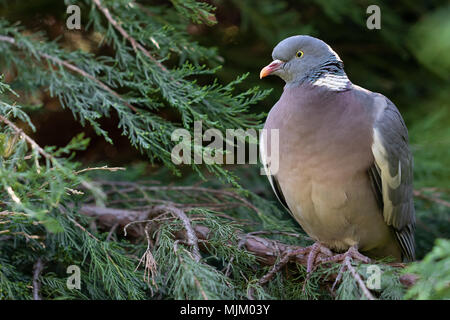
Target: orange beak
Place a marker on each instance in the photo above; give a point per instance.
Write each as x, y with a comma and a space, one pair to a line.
272, 67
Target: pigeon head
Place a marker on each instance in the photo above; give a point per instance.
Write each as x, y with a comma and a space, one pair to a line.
299, 57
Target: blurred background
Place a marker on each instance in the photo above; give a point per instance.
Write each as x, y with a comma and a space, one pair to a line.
407, 60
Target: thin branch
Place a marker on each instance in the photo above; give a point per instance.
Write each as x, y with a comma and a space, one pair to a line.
160, 217
112, 169
275, 269
37, 269
82, 228
149, 262
33, 143
39, 149
110, 216
223, 193
272, 272
136, 46
358, 279
190, 233
290, 234
111, 231
199, 286
75, 69
420, 194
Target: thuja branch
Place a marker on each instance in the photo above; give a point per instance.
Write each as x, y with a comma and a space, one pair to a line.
136, 46
75, 69
219, 194
35, 146
268, 251
22, 134
190, 233
37, 269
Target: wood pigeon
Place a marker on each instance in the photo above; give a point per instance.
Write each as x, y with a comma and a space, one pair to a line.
344, 168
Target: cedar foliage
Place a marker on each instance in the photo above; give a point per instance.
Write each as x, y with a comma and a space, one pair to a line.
156, 67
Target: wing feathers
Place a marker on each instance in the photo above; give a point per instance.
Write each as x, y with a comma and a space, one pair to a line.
391, 174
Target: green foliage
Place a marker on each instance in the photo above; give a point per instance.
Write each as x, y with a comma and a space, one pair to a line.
42, 187
198, 12
87, 84
185, 278
36, 183
30, 186
433, 272
390, 287
427, 45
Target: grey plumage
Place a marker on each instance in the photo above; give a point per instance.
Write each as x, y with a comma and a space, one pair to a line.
396, 161
345, 168
321, 63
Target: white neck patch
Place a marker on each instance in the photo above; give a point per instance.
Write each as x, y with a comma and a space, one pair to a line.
334, 82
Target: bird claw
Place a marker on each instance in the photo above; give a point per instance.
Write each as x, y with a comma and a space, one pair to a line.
312, 252
312, 262
351, 253
345, 259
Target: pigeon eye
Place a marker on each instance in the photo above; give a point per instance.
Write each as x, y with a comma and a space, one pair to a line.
299, 54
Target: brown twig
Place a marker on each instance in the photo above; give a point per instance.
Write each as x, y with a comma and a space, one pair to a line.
37, 269
230, 263
199, 286
358, 279
290, 234
275, 269
111, 216
111, 231
149, 262
112, 169
159, 217
82, 228
272, 272
24, 136
420, 194
190, 233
